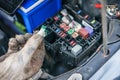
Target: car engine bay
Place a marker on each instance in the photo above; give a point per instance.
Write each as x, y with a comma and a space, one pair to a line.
74, 38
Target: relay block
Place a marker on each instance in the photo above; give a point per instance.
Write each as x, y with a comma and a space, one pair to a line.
70, 38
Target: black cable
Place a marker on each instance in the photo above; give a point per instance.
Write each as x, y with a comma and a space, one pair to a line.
109, 43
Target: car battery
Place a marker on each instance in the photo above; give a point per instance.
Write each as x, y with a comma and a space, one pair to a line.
35, 12
68, 40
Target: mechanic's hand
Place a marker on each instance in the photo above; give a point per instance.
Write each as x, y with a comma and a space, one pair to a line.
24, 57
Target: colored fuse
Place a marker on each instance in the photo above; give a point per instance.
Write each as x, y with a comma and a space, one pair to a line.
84, 33
90, 30
72, 43
62, 25
71, 31
71, 25
78, 27
70, 17
64, 12
66, 28
57, 30
93, 21
56, 18
86, 24
96, 24
63, 35
75, 35
65, 20
75, 25
86, 16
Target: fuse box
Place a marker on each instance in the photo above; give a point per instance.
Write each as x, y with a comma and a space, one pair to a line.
70, 39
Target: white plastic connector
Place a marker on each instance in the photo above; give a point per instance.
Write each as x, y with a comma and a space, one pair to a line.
42, 32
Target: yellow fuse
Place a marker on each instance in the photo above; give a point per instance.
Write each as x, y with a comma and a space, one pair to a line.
93, 21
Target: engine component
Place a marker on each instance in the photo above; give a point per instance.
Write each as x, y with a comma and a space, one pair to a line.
84, 33
70, 40
75, 39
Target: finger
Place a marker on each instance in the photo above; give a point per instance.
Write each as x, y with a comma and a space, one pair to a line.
12, 48
27, 36
20, 39
35, 53
13, 45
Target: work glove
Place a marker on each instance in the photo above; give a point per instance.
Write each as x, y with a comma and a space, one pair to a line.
24, 58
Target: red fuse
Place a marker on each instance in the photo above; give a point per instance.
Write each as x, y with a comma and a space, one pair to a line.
66, 28
73, 43
63, 35
56, 18
86, 16
62, 25
75, 34
84, 33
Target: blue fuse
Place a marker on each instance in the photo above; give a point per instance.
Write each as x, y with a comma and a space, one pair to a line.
57, 30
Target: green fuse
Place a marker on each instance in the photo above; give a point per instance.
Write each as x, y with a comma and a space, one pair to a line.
71, 31
58, 16
44, 27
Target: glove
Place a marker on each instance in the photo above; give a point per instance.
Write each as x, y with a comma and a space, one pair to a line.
24, 58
